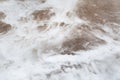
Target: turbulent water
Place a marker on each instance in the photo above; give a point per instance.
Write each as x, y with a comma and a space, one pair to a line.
59, 39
